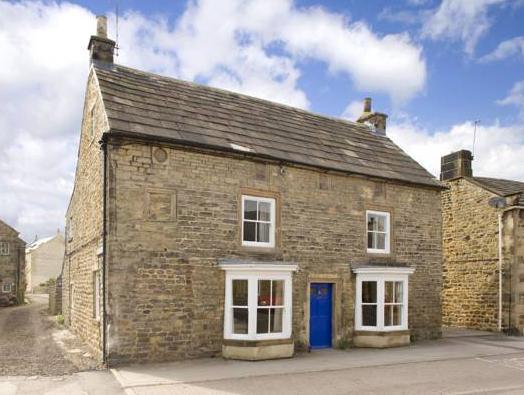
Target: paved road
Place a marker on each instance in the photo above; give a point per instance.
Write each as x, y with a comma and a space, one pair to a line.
26, 342
38, 357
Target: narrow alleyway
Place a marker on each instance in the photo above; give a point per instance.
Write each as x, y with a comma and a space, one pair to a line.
31, 343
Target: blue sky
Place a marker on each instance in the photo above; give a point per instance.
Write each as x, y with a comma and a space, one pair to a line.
434, 66
458, 86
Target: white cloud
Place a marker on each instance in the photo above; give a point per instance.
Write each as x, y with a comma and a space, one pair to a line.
257, 47
252, 47
460, 20
353, 110
43, 74
506, 49
498, 148
515, 97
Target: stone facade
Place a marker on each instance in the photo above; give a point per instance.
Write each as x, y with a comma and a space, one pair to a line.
172, 212
12, 262
44, 259
84, 219
470, 294
170, 221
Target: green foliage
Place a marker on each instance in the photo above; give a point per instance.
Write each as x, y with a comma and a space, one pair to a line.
60, 319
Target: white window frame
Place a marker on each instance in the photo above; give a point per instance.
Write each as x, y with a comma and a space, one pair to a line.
381, 275
4, 248
253, 273
387, 232
7, 288
258, 199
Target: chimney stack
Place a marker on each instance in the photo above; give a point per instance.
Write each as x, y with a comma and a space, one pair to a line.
456, 165
376, 119
100, 47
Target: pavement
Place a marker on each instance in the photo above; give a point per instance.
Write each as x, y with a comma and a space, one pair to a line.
471, 363
463, 362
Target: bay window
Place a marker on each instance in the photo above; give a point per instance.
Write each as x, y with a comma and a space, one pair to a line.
382, 298
257, 301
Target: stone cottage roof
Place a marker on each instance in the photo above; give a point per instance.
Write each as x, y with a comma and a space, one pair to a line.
499, 186
502, 187
165, 109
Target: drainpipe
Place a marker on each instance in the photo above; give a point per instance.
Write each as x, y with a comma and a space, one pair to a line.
103, 146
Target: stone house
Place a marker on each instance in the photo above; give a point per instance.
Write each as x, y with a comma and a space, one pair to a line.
483, 247
205, 222
43, 261
12, 258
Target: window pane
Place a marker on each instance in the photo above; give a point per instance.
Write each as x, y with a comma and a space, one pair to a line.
388, 315
262, 320
369, 292
372, 222
276, 320
240, 320
250, 231
278, 293
388, 291
239, 292
263, 232
264, 211
397, 315
381, 223
264, 290
380, 241
370, 240
250, 209
369, 315
398, 292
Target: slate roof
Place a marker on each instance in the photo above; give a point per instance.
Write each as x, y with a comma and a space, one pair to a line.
154, 106
499, 186
502, 187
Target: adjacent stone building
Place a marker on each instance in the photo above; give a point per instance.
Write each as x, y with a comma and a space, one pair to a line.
12, 258
483, 245
44, 258
205, 222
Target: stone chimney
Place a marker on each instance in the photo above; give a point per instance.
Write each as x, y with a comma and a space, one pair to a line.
100, 47
456, 165
375, 119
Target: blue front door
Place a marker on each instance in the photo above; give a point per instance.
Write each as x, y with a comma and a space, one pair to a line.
320, 315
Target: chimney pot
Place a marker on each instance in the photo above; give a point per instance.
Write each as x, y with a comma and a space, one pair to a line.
101, 26
456, 165
100, 47
367, 104
375, 119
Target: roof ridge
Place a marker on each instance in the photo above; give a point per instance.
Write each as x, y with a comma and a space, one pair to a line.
233, 93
